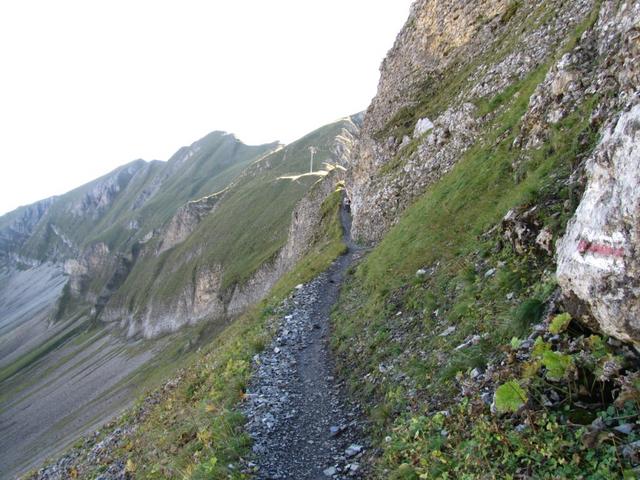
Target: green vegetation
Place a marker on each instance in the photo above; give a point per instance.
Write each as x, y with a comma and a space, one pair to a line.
560, 323
559, 441
219, 159
195, 429
441, 91
510, 397
527, 314
491, 448
246, 230
489, 292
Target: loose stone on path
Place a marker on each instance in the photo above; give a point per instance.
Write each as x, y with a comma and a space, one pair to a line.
301, 422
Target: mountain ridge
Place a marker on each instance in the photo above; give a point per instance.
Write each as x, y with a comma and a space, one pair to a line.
99, 238
487, 326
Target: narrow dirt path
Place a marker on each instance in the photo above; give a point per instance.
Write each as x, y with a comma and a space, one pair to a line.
299, 417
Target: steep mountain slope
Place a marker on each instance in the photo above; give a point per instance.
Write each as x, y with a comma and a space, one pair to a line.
90, 232
237, 243
148, 249
124, 205
490, 331
474, 363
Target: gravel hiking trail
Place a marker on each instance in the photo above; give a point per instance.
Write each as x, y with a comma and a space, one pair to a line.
302, 424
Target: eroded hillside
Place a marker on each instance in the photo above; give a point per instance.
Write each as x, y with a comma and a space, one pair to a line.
490, 330
94, 280
477, 330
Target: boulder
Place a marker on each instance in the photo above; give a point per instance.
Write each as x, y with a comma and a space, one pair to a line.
598, 261
520, 229
422, 126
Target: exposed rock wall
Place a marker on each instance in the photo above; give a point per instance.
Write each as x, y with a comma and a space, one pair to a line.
94, 261
199, 299
599, 257
186, 220
597, 262
442, 42
103, 192
415, 130
19, 227
429, 42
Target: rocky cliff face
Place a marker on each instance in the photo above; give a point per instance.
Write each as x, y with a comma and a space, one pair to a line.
418, 128
102, 194
499, 185
92, 262
196, 300
598, 262
425, 115
18, 226
186, 219
597, 266
596, 259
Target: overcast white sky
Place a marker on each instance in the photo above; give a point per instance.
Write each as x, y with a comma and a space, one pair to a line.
86, 85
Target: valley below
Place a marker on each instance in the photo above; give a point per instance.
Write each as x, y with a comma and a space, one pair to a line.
444, 286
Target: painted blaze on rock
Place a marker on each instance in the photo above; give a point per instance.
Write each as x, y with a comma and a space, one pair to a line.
598, 258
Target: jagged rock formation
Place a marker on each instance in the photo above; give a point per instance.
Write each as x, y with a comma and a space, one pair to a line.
418, 127
17, 226
597, 267
186, 219
102, 194
448, 56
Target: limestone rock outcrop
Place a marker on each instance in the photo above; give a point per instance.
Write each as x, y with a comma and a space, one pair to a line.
19, 225
399, 154
186, 219
598, 258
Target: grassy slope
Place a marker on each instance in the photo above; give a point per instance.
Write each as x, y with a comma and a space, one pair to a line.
389, 317
219, 160
195, 430
248, 227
